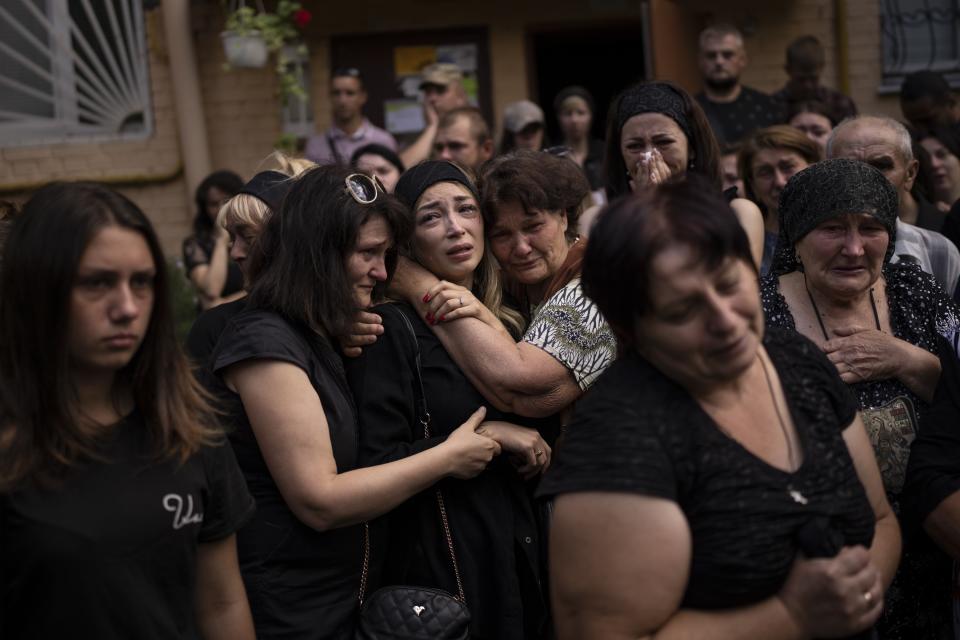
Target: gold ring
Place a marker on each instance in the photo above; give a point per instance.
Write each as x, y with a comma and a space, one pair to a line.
538, 453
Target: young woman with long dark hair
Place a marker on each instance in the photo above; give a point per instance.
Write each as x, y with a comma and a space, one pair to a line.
118, 506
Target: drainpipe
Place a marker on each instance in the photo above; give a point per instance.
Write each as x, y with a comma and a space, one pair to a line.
191, 125
842, 34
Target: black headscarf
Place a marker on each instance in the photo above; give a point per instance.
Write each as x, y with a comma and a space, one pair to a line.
270, 187
828, 189
418, 179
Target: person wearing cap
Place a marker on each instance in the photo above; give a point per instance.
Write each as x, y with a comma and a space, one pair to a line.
734, 110
523, 124
442, 86
242, 218
879, 322
927, 101
463, 137
350, 129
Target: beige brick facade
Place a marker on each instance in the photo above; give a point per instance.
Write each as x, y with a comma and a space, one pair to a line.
241, 107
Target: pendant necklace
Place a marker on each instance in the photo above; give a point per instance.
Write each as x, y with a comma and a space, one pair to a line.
795, 495
816, 309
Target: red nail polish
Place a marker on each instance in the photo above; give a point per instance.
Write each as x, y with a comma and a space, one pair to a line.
426, 297
430, 318
442, 318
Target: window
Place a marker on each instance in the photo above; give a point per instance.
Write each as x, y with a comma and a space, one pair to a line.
72, 70
297, 113
919, 35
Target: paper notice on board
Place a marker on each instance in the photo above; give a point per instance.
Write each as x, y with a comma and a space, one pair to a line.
409, 61
462, 55
403, 116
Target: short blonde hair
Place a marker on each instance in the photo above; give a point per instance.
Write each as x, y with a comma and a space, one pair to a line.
245, 209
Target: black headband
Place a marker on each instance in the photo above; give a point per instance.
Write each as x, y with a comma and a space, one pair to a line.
270, 187
654, 98
418, 179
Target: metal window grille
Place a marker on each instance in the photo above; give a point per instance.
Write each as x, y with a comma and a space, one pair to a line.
72, 70
919, 35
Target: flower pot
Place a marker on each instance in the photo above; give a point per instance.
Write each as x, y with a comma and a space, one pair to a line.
246, 50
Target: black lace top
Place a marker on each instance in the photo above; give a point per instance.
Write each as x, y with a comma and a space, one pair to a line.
638, 431
917, 604
919, 308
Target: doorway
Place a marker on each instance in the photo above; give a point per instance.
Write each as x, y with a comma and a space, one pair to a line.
603, 58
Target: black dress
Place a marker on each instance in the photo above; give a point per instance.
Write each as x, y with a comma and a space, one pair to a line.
301, 583
917, 603
110, 550
491, 516
637, 431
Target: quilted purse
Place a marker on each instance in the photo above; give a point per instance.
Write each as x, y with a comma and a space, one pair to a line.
407, 612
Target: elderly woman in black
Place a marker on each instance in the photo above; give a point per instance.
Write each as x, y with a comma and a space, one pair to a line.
878, 323
491, 515
720, 458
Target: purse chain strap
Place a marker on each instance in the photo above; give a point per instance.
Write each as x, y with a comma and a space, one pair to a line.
425, 421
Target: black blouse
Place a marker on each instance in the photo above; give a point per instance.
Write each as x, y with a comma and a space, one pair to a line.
637, 431
491, 516
301, 583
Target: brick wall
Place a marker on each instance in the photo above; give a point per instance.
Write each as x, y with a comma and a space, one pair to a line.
242, 107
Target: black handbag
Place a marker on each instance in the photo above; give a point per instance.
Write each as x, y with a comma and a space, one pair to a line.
407, 612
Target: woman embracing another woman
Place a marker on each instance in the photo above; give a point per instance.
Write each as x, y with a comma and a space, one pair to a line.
491, 515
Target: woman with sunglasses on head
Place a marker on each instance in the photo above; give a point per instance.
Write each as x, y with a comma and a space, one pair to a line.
295, 430
119, 500
491, 516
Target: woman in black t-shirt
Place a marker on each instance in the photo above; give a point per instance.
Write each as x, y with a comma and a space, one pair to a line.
294, 422
215, 277
118, 500
711, 457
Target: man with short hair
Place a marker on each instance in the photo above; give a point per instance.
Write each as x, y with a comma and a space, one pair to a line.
885, 144
463, 137
927, 102
443, 91
805, 62
734, 110
350, 129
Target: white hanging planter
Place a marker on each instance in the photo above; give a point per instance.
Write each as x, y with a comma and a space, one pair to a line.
247, 50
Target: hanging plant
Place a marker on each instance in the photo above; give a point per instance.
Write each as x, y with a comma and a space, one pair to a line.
251, 34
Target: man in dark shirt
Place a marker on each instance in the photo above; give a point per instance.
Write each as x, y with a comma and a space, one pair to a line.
927, 101
805, 62
734, 110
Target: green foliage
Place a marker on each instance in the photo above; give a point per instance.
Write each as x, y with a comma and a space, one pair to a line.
281, 34
182, 300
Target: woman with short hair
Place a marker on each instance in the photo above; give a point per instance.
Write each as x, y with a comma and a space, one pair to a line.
717, 482
768, 159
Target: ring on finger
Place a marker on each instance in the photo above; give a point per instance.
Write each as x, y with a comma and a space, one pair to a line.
538, 452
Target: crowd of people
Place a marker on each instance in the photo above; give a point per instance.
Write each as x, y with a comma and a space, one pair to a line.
698, 379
